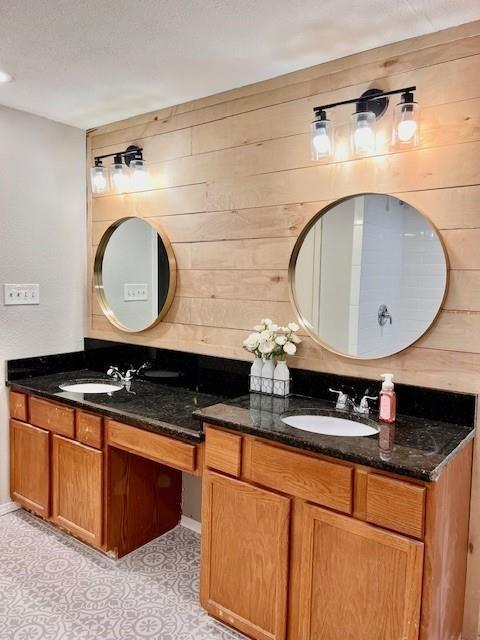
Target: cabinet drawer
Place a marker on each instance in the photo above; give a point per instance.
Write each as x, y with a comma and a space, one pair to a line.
223, 451
54, 417
169, 451
395, 505
297, 474
18, 406
89, 429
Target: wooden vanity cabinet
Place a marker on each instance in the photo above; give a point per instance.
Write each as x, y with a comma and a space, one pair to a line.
357, 581
371, 555
30, 467
77, 489
245, 551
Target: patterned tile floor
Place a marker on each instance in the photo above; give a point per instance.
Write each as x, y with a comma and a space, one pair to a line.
55, 588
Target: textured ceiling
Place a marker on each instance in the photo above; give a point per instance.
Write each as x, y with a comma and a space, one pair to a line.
88, 62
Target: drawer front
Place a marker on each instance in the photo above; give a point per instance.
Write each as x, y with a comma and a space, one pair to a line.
89, 429
169, 451
395, 505
223, 451
18, 406
297, 474
54, 417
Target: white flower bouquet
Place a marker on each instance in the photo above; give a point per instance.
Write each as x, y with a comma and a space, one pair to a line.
268, 342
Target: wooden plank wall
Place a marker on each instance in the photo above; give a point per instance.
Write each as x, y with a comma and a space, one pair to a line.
233, 184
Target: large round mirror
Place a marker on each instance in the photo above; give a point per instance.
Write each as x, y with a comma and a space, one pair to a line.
368, 276
135, 274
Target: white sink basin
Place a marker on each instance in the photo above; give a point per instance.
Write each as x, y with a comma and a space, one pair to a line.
91, 387
330, 426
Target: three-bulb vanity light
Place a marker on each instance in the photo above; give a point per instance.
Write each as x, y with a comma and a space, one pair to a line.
126, 173
370, 106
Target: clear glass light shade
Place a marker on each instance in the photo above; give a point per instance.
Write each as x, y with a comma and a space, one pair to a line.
405, 124
99, 179
363, 133
139, 175
322, 139
119, 177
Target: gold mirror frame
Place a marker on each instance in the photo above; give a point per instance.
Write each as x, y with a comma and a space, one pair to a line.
98, 281
293, 261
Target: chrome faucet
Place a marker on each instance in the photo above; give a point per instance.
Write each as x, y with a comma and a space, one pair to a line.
116, 374
344, 401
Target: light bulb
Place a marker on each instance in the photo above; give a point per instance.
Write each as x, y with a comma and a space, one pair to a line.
119, 176
99, 179
364, 139
139, 175
322, 136
322, 144
406, 130
363, 134
405, 122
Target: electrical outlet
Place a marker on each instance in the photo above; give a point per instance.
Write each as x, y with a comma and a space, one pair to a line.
21, 294
135, 292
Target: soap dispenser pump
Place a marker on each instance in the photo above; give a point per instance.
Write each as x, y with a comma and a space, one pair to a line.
388, 399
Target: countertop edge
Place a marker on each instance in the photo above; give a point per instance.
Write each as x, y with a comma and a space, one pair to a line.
162, 428
420, 474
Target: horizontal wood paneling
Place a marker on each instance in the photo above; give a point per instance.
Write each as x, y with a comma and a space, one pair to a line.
233, 186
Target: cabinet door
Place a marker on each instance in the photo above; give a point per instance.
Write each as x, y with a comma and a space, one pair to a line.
29, 467
245, 556
358, 582
77, 489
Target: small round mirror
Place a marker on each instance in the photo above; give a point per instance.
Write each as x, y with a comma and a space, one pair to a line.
368, 276
135, 274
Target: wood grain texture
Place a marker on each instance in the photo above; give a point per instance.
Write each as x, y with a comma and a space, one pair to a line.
169, 451
396, 505
77, 489
298, 474
57, 418
30, 467
18, 406
245, 532
341, 557
446, 550
143, 499
89, 429
223, 451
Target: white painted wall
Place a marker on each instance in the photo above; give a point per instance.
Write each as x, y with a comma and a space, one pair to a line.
42, 240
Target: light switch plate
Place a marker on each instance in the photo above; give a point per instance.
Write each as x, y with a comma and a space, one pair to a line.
21, 294
134, 292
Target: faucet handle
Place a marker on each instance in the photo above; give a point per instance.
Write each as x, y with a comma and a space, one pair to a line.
364, 408
342, 398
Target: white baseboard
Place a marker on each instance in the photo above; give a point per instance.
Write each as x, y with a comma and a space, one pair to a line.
192, 524
8, 507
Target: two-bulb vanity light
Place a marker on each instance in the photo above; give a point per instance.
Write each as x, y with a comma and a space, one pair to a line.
370, 106
127, 172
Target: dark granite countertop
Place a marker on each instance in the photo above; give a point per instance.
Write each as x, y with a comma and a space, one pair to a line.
151, 406
412, 447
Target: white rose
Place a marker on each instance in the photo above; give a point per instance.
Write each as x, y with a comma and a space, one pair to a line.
273, 327
293, 326
252, 342
266, 322
281, 340
266, 347
295, 339
258, 327
265, 335
290, 348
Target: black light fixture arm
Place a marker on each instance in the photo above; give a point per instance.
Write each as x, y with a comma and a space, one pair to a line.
364, 98
131, 153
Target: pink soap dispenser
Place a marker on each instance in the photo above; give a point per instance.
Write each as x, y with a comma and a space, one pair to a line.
388, 399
